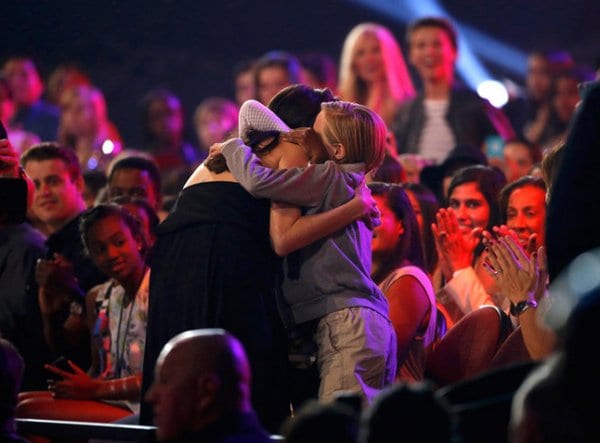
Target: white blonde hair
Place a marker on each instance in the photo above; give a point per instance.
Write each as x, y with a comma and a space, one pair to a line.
399, 82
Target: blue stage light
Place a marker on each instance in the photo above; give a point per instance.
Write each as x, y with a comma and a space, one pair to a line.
473, 44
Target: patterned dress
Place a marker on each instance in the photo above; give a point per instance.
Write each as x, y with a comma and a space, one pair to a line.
121, 330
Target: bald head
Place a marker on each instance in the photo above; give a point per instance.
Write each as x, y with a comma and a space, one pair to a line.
209, 351
200, 375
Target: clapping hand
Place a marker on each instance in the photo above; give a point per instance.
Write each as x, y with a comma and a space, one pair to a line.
530, 247
455, 250
519, 276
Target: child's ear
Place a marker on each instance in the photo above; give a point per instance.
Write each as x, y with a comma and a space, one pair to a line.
340, 151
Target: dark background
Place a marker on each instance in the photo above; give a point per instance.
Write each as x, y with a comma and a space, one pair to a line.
191, 47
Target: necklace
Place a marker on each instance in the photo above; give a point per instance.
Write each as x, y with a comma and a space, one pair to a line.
120, 355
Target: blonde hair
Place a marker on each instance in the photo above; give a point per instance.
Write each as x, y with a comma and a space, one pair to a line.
399, 82
361, 131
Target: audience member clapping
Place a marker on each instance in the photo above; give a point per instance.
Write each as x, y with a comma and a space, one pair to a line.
522, 279
472, 207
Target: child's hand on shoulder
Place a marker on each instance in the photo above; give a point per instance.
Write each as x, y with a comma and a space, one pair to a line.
215, 150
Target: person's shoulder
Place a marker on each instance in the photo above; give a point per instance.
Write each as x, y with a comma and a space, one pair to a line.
406, 112
70, 231
331, 168
413, 270
99, 291
33, 239
591, 91
467, 100
46, 108
60, 240
405, 271
25, 234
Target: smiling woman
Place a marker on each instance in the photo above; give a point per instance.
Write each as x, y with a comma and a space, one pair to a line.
473, 208
373, 71
523, 206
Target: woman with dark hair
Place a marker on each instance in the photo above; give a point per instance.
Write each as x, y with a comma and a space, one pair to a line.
398, 269
472, 208
307, 104
116, 314
488, 181
425, 205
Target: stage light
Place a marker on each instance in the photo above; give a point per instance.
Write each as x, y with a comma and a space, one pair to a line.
494, 91
473, 44
108, 146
